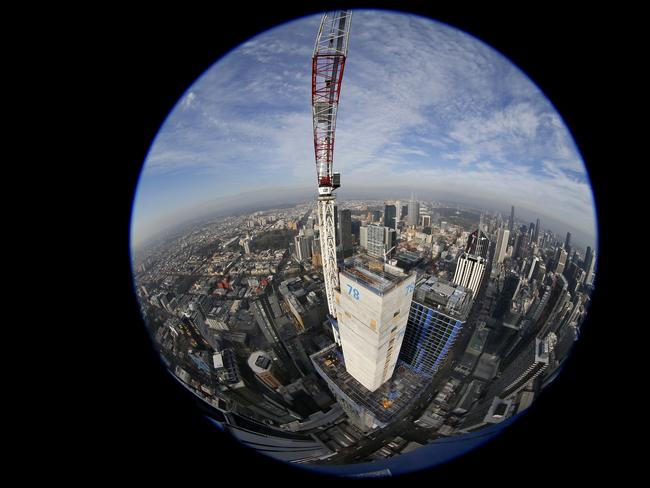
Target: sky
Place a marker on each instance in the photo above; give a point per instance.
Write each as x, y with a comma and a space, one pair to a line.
423, 107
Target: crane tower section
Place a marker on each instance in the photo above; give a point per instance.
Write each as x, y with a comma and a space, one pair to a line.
328, 62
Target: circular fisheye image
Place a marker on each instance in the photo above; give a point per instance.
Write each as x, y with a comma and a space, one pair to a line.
361, 257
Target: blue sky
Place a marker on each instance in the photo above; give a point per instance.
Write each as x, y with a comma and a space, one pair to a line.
423, 106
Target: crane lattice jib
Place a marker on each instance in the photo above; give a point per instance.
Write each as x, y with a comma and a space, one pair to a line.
328, 62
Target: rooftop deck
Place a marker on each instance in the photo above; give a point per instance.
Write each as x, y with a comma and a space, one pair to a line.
371, 274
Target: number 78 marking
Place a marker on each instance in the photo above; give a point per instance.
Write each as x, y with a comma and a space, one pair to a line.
353, 291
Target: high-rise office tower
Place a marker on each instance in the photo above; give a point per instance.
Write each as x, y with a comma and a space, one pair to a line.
590, 262
355, 225
345, 232
536, 234
316, 257
363, 236
527, 366
511, 224
376, 241
502, 244
587, 259
478, 244
414, 212
521, 247
303, 245
469, 272
438, 312
196, 316
510, 288
561, 261
372, 312
404, 210
425, 220
559, 301
533, 267
390, 214
567, 247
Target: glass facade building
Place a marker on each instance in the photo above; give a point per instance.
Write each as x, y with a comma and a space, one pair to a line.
429, 336
437, 314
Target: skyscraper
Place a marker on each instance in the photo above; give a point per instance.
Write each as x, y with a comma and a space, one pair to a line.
355, 225
404, 210
590, 261
511, 224
567, 247
363, 236
536, 234
316, 257
303, 246
438, 312
414, 212
376, 241
532, 268
502, 244
345, 232
527, 366
469, 272
508, 291
372, 312
477, 244
390, 214
561, 261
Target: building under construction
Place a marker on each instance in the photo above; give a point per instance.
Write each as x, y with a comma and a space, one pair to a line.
373, 305
368, 410
368, 303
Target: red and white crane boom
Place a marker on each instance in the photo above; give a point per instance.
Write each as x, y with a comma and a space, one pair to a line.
328, 63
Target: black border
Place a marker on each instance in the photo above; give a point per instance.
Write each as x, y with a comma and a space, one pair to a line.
152, 63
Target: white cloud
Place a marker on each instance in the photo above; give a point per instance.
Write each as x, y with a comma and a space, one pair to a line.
431, 93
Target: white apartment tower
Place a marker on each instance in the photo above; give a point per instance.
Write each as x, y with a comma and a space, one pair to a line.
372, 309
469, 272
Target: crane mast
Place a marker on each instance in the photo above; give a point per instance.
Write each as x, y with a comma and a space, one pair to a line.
328, 62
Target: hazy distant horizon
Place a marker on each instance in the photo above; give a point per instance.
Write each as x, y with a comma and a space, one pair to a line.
250, 202
436, 112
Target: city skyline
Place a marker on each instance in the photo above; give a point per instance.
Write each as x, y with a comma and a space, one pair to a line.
236, 307
253, 201
477, 128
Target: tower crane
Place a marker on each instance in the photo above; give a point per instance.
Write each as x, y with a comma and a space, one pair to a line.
328, 62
